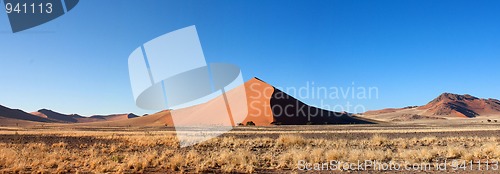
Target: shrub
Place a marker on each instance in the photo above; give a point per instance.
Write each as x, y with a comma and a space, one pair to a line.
117, 158
378, 140
290, 140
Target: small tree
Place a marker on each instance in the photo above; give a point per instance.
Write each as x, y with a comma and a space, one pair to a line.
250, 123
240, 124
489, 121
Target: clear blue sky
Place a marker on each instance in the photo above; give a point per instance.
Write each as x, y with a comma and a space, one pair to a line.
411, 50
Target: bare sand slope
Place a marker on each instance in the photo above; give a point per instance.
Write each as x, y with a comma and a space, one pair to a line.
259, 96
400, 115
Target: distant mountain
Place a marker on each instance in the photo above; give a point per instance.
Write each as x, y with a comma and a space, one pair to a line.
446, 105
16, 114
75, 118
461, 106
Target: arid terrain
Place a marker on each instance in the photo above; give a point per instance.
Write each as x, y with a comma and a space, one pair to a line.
452, 133
247, 149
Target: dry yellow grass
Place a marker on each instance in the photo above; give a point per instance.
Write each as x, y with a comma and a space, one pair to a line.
136, 152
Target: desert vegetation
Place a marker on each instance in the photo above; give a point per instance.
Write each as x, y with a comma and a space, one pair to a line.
63, 151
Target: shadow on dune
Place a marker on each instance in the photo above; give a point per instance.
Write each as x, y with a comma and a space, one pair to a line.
290, 111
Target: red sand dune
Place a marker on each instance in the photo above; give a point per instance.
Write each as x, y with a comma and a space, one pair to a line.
267, 105
259, 101
262, 98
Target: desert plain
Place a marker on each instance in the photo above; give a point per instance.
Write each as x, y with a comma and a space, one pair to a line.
464, 146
